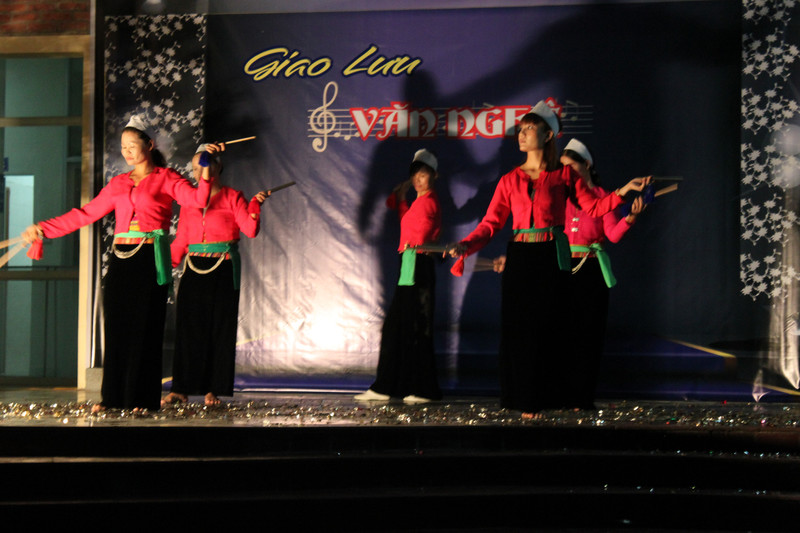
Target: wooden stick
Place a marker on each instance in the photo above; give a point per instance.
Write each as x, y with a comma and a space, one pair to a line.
11, 253
667, 178
433, 248
665, 190
483, 264
9, 242
279, 187
243, 139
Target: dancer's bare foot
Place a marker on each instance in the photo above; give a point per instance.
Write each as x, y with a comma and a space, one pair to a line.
98, 408
174, 397
212, 400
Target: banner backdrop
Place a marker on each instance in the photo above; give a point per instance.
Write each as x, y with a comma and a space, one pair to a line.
339, 103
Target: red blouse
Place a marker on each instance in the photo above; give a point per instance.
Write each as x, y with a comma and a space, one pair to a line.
512, 197
583, 229
150, 202
421, 222
228, 213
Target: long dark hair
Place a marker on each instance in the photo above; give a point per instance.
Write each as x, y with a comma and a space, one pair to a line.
550, 151
158, 158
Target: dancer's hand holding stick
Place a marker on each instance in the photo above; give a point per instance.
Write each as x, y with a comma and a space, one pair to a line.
636, 184
455, 249
258, 199
32, 233
255, 203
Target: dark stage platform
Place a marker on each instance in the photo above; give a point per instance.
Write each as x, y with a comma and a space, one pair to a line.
317, 462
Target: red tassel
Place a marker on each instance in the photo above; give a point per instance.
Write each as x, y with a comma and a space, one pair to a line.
35, 252
458, 267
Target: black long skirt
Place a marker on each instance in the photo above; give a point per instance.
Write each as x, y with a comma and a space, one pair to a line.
407, 361
536, 361
135, 307
589, 312
205, 330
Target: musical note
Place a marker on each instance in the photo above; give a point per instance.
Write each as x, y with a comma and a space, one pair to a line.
577, 118
322, 120
568, 115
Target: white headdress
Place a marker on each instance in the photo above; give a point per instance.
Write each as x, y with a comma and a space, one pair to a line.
424, 156
579, 148
548, 114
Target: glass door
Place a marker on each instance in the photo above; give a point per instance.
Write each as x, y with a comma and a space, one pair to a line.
41, 149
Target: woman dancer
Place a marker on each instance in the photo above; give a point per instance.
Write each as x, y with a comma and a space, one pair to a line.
591, 269
208, 299
407, 362
535, 360
135, 287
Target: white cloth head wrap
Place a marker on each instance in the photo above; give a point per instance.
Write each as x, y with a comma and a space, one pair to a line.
424, 156
547, 114
579, 148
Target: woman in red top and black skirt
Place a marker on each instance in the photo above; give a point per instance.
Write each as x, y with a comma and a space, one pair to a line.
139, 273
591, 271
208, 297
407, 362
535, 354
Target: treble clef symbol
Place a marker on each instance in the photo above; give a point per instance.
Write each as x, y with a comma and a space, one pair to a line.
323, 121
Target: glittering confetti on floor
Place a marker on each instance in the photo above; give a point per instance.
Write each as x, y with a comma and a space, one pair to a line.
51, 408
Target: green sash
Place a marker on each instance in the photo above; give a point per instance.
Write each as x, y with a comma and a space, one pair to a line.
231, 248
160, 249
562, 243
408, 266
602, 258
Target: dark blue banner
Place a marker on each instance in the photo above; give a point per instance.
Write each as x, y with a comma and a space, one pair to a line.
339, 103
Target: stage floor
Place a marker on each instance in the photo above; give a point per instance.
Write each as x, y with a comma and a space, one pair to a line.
70, 407
457, 465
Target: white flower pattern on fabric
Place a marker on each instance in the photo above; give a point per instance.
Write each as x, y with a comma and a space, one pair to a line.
154, 67
770, 169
